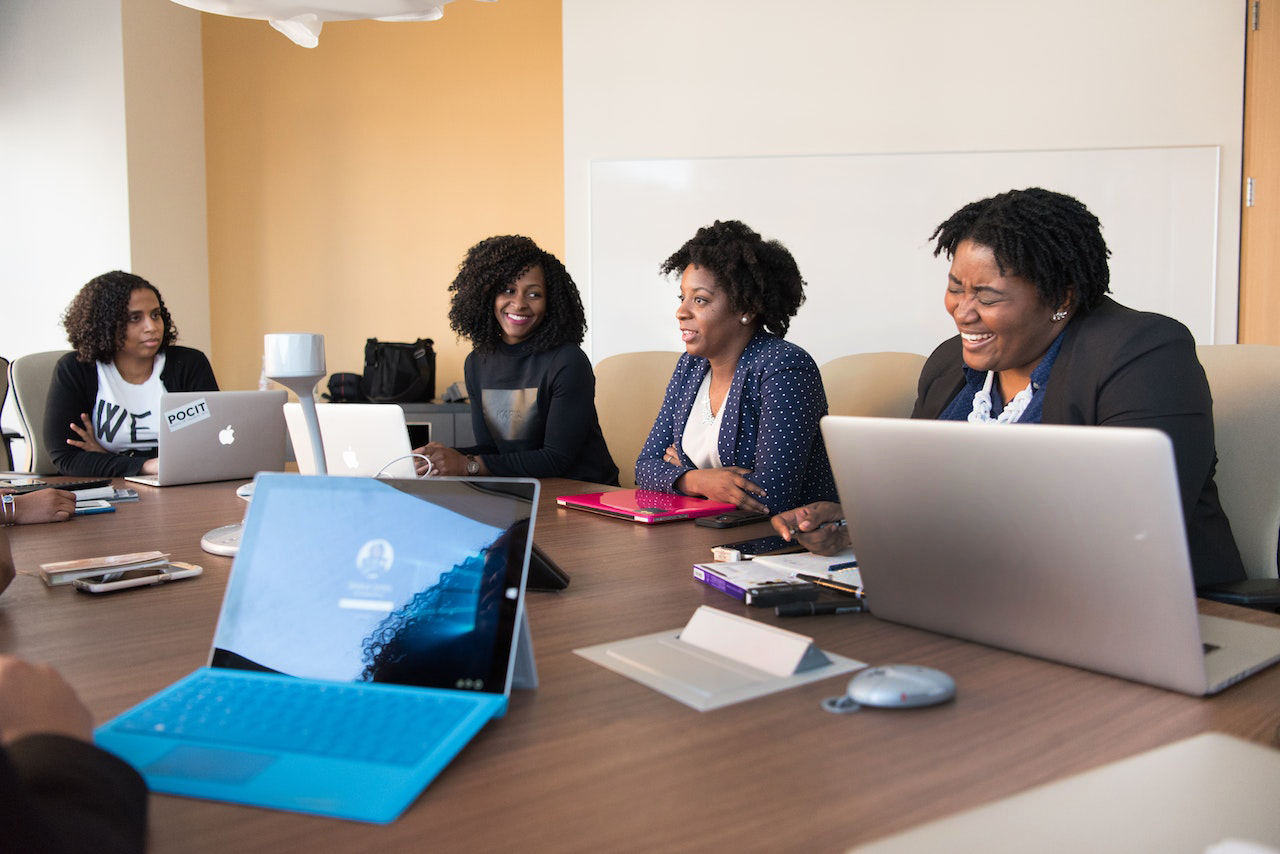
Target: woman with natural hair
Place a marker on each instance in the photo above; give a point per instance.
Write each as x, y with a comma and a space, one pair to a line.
1039, 342
532, 390
739, 422
103, 414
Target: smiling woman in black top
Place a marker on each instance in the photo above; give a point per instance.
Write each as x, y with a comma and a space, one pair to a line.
532, 389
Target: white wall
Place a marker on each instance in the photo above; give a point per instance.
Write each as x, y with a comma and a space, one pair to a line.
101, 161
63, 163
750, 78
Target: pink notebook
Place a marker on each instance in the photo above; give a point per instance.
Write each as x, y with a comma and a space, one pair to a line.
644, 506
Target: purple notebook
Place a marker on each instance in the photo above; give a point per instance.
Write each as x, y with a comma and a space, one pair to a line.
644, 505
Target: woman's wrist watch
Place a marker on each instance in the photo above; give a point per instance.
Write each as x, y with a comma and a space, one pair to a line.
473, 465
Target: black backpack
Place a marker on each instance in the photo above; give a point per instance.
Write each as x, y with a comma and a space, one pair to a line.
399, 373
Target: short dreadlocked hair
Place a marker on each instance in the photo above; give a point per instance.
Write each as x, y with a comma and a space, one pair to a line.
1049, 239
759, 276
98, 316
497, 262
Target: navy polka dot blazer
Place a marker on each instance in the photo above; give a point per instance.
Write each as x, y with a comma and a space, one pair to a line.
770, 424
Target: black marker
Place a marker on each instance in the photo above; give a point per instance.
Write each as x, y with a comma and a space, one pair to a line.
810, 609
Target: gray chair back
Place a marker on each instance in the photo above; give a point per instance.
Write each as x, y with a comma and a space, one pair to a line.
30, 377
1245, 382
7, 456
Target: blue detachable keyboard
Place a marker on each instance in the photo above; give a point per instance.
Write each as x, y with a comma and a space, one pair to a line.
330, 719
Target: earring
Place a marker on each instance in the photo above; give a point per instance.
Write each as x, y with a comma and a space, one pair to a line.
1060, 315
745, 319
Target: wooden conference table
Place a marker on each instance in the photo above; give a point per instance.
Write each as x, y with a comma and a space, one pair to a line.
592, 761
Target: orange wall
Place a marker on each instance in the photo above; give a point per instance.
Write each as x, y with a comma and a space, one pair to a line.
346, 182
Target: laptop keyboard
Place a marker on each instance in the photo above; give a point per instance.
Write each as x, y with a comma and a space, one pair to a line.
331, 720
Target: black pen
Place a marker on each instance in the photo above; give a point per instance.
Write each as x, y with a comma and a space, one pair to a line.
839, 523
847, 589
809, 609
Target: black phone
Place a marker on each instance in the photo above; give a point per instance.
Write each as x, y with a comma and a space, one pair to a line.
732, 519
37, 485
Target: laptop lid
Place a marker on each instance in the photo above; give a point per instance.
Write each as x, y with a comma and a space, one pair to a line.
208, 436
371, 580
1188, 796
359, 439
1066, 543
644, 505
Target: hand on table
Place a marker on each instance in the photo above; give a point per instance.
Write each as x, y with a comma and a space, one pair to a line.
813, 526
44, 505
34, 698
724, 484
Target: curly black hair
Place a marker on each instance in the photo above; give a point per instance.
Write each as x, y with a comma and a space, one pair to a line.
98, 316
1049, 239
759, 276
493, 264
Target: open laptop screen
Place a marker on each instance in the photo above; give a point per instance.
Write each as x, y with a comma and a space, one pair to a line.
357, 579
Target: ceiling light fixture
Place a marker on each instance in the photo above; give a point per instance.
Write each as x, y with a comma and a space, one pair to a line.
301, 20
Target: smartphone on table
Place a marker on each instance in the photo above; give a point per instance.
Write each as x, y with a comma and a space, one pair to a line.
113, 581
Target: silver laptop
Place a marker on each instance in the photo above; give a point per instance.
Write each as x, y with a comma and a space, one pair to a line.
348, 670
1066, 543
218, 435
359, 439
1188, 797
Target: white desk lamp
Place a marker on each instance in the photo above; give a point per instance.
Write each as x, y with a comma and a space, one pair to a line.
296, 361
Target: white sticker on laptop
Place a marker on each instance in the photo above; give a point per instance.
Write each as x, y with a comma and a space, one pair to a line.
187, 414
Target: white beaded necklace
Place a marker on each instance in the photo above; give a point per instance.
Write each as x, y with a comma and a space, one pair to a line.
981, 413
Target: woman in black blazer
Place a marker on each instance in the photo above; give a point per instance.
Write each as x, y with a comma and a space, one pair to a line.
1040, 342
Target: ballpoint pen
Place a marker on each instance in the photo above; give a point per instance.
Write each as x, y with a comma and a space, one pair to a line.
847, 589
839, 523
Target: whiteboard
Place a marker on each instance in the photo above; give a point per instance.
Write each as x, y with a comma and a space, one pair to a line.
859, 226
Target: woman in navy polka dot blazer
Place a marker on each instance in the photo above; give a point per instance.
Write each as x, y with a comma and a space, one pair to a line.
739, 422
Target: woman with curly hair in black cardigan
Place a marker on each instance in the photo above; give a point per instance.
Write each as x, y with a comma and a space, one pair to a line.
103, 413
531, 387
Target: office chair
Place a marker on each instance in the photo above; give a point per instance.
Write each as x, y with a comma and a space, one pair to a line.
9, 435
1245, 382
875, 384
30, 377
629, 389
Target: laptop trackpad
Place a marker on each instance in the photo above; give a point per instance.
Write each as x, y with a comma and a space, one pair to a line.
203, 763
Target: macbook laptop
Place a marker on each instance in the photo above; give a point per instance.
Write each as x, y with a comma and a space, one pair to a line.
644, 506
218, 435
359, 439
1065, 543
348, 670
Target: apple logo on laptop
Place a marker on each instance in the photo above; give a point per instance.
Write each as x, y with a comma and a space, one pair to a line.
227, 435
349, 457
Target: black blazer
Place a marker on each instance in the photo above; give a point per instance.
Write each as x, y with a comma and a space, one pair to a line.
1120, 367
